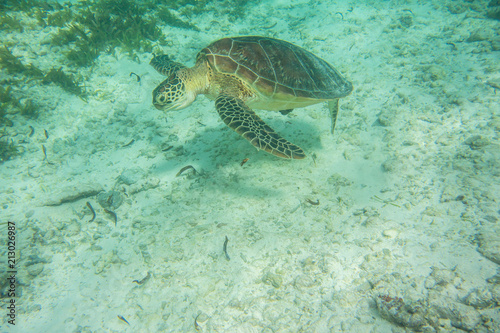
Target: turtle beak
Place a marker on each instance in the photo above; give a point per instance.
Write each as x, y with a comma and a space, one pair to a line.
159, 106
169, 105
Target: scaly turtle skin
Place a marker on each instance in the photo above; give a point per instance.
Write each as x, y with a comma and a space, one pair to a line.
243, 73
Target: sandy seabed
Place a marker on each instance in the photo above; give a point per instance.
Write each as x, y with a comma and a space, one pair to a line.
405, 235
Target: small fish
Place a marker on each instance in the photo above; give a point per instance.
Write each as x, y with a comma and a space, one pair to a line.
109, 200
184, 169
224, 248
137, 76
494, 85
92, 210
113, 214
45, 158
314, 203
46, 133
128, 144
123, 319
452, 44
44, 153
196, 325
270, 26
32, 131
244, 161
143, 280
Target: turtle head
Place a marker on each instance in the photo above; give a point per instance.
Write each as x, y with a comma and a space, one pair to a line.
172, 94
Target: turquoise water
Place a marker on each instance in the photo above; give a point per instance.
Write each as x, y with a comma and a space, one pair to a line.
391, 224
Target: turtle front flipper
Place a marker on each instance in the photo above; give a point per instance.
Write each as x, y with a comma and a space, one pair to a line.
238, 116
164, 65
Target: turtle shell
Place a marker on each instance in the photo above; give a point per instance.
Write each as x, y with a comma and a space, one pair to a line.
276, 68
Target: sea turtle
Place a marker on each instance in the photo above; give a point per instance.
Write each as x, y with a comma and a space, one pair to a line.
242, 73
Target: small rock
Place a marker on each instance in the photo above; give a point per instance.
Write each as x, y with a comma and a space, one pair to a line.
443, 276
406, 21
386, 117
480, 299
35, 270
432, 211
450, 193
131, 176
489, 244
390, 233
456, 7
393, 165
72, 193
144, 185
478, 36
272, 279
461, 316
402, 312
110, 200
477, 142
303, 281
434, 73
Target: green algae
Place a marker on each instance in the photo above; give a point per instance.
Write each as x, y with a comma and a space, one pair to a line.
63, 80
13, 65
104, 25
8, 149
9, 23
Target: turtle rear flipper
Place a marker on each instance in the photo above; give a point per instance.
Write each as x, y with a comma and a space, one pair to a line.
285, 112
238, 116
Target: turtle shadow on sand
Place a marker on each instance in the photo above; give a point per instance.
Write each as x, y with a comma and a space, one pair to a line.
219, 165
232, 148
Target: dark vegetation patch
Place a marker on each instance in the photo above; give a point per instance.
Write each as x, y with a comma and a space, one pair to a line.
85, 30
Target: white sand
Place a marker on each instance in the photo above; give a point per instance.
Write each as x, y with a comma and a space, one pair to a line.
402, 196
